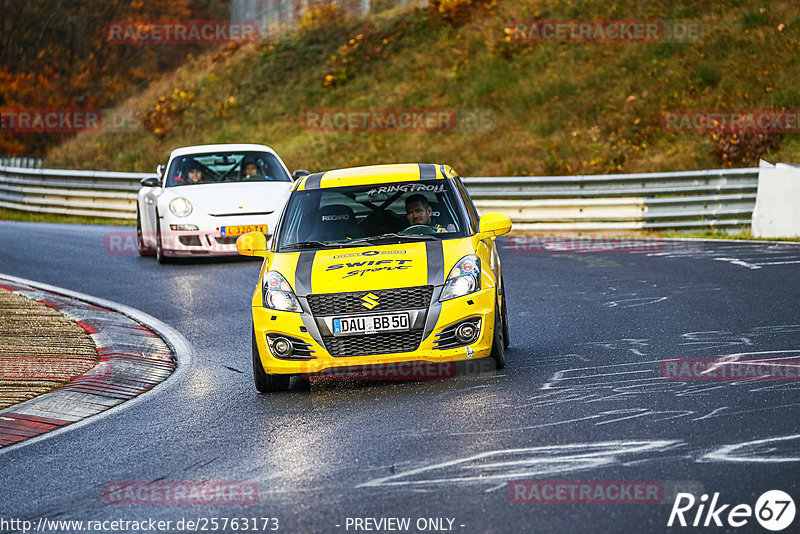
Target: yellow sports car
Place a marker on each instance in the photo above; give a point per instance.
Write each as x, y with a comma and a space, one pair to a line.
375, 266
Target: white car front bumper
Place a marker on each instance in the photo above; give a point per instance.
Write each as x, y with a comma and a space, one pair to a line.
208, 238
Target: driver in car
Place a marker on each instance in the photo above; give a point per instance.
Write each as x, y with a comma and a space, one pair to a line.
251, 170
418, 211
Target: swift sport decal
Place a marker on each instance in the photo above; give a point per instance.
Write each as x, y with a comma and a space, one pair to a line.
359, 268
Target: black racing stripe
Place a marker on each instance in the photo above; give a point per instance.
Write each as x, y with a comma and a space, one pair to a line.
427, 171
433, 313
302, 287
308, 321
302, 274
434, 252
313, 180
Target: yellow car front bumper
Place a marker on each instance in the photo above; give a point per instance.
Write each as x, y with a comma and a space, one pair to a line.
480, 304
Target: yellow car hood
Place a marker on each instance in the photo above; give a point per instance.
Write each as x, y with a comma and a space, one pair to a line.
371, 267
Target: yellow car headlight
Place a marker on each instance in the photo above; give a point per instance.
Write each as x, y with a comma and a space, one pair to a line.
464, 278
278, 294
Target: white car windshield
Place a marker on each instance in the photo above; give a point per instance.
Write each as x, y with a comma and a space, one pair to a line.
371, 214
225, 167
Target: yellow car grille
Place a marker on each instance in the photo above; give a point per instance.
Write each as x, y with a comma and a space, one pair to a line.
403, 298
342, 347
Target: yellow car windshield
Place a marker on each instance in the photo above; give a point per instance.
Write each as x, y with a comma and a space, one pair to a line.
374, 213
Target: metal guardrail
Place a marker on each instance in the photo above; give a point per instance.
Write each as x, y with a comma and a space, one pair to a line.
22, 161
662, 200
66, 192
687, 199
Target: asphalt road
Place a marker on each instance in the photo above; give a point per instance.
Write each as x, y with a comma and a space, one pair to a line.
581, 398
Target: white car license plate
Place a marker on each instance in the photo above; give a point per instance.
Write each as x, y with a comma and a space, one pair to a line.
370, 324
235, 231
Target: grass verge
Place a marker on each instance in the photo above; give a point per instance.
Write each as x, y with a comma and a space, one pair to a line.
28, 216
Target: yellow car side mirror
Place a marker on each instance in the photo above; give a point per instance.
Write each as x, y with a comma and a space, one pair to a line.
252, 244
494, 224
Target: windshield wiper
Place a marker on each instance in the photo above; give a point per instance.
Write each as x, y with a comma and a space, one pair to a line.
392, 237
307, 244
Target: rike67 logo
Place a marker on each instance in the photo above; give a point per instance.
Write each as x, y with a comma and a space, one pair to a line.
774, 511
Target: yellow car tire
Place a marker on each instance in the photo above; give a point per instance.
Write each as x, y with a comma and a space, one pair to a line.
266, 383
498, 344
506, 338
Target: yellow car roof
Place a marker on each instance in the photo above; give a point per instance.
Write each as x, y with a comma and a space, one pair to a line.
374, 174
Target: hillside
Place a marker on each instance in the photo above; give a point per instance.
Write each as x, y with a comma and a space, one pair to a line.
519, 108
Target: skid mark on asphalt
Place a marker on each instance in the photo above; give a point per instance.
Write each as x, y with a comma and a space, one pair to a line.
497, 468
713, 339
630, 344
615, 395
622, 377
751, 256
634, 302
648, 293
740, 263
771, 450
641, 382
510, 464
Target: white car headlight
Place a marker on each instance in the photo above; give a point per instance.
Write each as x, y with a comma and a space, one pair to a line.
464, 278
180, 207
278, 294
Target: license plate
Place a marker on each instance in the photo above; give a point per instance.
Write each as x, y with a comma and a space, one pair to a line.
370, 324
235, 231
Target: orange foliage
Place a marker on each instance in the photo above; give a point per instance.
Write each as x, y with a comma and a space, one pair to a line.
54, 54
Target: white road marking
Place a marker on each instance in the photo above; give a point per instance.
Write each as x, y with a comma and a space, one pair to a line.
512, 464
736, 261
710, 415
777, 263
758, 451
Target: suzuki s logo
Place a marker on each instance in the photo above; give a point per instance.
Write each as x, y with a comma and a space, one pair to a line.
369, 301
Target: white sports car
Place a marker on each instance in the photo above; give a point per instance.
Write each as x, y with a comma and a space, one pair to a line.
209, 196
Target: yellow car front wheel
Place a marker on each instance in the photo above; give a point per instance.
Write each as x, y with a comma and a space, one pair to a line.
266, 383
498, 353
